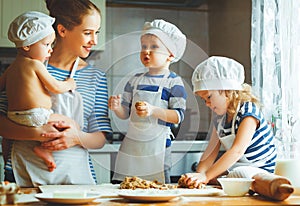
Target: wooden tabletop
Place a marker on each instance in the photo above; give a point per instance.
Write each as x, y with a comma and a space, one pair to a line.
180, 201
203, 201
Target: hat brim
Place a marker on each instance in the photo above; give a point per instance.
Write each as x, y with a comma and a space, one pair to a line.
217, 84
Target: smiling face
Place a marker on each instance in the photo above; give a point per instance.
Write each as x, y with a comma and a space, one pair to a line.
83, 37
154, 54
214, 99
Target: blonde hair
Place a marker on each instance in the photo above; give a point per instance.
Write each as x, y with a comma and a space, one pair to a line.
236, 96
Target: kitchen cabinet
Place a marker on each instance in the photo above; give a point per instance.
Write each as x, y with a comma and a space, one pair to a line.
10, 9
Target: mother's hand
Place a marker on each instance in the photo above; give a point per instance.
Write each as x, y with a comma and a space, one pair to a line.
14, 131
68, 136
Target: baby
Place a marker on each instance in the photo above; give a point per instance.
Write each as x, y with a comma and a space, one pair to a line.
27, 81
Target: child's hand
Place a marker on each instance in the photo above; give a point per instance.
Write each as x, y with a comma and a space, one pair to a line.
72, 83
114, 102
195, 180
144, 110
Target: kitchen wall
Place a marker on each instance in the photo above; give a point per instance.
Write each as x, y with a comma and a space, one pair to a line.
216, 28
230, 31
121, 60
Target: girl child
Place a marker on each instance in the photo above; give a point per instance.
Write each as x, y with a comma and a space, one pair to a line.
238, 124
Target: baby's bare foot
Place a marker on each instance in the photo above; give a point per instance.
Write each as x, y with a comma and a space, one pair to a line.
46, 155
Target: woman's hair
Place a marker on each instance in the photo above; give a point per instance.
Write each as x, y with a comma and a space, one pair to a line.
236, 96
69, 13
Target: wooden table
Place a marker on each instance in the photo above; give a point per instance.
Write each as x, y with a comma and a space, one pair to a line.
181, 201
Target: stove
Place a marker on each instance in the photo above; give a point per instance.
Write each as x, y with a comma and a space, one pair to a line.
117, 137
184, 163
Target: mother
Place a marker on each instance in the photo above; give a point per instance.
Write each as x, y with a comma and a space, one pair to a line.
76, 27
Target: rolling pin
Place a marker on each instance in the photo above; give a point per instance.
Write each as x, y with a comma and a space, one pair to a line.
272, 186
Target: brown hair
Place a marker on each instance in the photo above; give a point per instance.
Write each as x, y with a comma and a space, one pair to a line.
236, 96
69, 13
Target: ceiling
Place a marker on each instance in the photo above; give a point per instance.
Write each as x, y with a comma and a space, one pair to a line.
180, 4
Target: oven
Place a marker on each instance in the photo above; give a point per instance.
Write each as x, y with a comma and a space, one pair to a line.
183, 163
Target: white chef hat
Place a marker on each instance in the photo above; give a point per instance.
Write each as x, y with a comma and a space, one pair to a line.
170, 36
29, 28
218, 73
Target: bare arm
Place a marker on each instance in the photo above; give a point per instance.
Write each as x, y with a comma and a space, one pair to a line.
73, 136
206, 161
114, 104
11, 130
51, 83
244, 135
167, 115
210, 154
230, 157
92, 140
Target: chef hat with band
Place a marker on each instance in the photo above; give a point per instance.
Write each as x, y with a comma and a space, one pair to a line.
218, 73
29, 28
170, 36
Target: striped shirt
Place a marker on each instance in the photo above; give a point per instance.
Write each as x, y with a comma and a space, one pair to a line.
261, 151
173, 94
92, 85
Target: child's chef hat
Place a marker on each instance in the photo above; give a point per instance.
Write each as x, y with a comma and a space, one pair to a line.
29, 28
218, 73
170, 36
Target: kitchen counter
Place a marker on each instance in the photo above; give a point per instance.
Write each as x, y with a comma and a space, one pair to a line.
28, 199
177, 146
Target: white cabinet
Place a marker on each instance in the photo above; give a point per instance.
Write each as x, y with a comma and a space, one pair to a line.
10, 9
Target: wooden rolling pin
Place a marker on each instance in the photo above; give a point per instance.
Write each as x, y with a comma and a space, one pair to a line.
272, 186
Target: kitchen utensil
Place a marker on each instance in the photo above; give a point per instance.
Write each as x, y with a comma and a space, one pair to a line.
235, 186
272, 186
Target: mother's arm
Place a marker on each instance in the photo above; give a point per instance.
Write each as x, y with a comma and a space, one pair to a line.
72, 136
11, 130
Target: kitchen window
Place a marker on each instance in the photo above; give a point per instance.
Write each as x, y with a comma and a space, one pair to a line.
275, 58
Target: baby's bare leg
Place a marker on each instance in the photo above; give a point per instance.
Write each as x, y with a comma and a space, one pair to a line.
46, 156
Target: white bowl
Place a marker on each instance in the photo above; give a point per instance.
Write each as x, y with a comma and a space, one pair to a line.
235, 186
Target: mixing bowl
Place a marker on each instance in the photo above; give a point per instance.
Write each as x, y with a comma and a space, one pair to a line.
235, 186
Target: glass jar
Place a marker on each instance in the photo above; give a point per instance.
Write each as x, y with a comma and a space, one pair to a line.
287, 163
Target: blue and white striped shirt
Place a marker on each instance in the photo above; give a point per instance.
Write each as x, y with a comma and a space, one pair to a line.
173, 94
92, 85
261, 151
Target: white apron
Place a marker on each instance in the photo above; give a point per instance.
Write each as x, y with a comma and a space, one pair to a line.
228, 140
72, 163
142, 151
69, 103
